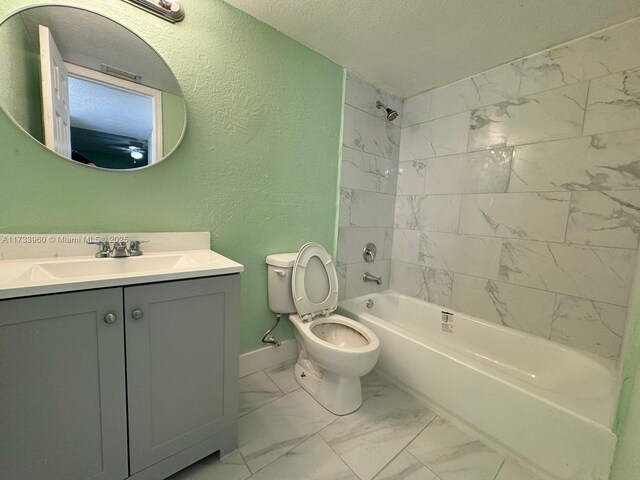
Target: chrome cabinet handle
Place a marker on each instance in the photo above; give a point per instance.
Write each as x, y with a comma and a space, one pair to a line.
137, 314
110, 318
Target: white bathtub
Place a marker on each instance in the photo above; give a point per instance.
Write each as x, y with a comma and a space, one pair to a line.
548, 404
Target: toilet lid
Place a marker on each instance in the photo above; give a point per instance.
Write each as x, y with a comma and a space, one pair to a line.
314, 282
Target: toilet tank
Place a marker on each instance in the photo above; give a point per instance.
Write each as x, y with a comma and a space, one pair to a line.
279, 270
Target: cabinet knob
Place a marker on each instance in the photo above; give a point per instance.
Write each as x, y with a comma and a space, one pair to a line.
137, 314
110, 318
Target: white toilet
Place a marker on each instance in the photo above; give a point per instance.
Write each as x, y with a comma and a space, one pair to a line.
333, 351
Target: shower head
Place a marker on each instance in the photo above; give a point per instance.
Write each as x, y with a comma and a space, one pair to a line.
391, 113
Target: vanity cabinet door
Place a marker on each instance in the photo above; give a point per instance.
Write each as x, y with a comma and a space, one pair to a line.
62, 387
182, 374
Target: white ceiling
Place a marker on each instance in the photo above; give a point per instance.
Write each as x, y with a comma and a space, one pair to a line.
409, 46
90, 40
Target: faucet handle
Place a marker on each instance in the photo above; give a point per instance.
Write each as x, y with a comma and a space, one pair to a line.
134, 247
103, 248
369, 253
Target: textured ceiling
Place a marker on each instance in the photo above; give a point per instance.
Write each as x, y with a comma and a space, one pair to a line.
90, 40
409, 46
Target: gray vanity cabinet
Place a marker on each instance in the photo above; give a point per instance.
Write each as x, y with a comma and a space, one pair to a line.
62, 387
130, 382
182, 368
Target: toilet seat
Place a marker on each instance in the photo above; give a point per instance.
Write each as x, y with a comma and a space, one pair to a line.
314, 282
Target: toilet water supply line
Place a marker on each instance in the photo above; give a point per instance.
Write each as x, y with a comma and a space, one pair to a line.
268, 337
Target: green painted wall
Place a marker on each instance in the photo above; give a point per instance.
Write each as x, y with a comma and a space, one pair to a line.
258, 166
20, 71
626, 464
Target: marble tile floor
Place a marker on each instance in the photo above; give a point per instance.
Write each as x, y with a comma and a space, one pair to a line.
284, 434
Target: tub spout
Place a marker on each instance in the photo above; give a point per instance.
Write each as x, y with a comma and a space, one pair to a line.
369, 278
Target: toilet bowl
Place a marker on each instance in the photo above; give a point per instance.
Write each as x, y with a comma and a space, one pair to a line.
333, 351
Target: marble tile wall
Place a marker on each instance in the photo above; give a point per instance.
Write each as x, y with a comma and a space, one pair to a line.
518, 192
369, 173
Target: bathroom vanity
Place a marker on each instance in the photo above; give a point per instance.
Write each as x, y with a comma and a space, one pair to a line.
117, 375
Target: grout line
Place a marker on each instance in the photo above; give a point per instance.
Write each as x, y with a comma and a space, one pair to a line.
517, 239
375, 476
377, 192
263, 405
307, 437
421, 462
501, 147
412, 438
367, 153
514, 284
245, 462
532, 192
538, 92
449, 116
272, 381
338, 455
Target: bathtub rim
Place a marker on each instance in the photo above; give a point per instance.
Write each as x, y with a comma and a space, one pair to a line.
486, 369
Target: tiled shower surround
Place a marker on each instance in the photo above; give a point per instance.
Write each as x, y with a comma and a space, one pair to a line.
518, 194
371, 146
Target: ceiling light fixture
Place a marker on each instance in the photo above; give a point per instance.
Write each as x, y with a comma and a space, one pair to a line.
169, 10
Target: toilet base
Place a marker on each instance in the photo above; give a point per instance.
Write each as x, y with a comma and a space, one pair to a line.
338, 394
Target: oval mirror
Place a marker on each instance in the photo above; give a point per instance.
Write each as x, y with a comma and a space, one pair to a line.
88, 88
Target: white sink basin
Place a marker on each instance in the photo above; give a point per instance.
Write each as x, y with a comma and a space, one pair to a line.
113, 266
51, 275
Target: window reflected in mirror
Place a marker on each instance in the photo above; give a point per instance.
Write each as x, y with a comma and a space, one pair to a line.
89, 89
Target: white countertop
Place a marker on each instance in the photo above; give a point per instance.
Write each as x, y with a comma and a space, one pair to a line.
61, 272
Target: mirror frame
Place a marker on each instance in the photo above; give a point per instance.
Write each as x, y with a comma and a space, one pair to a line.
47, 149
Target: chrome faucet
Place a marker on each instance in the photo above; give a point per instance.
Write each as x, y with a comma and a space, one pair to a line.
104, 249
134, 247
369, 278
119, 249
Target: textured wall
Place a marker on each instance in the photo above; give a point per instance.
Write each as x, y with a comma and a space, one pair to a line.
258, 167
519, 192
626, 463
367, 185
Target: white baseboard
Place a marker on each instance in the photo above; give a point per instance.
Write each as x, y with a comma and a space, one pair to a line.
266, 357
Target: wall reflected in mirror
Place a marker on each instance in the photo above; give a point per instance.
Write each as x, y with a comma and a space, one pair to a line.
88, 88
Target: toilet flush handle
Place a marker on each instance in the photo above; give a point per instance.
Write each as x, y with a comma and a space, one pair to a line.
277, 271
